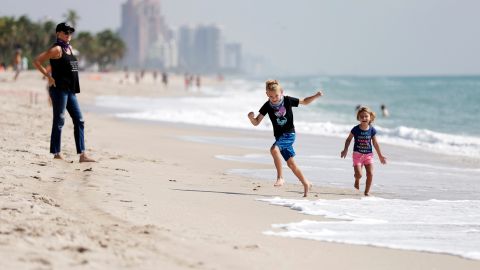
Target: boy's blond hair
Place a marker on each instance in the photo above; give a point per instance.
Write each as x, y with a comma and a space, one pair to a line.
272, 85
367, 110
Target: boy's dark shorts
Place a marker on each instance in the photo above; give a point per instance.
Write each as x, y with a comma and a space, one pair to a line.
285, 144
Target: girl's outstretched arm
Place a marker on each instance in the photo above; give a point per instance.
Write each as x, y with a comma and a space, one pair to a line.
343, 154
309, 99
383, 159
255, 120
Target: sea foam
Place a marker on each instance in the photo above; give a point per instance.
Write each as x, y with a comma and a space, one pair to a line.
439, 226
231, 112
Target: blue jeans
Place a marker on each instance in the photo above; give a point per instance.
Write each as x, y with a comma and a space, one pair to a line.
285, 145
61, 100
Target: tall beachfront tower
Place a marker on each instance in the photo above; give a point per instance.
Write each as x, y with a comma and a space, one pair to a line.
142, 26
233, 57
208, 48
200, 48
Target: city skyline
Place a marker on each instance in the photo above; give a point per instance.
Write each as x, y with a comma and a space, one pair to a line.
151, 43
316, 37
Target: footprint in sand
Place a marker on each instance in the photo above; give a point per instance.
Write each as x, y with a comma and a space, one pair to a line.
44, 199
42, 163
57, 179
247, 247
78, 249
42, 261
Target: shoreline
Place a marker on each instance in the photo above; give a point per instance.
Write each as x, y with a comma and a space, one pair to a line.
164, 204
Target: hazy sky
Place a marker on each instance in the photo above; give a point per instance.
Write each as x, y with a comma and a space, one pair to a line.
354, 37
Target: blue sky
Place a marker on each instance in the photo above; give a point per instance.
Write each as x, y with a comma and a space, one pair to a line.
349, 37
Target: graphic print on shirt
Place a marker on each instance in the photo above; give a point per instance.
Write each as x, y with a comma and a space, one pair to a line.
74, 65
280, 114
363, 142
363, 139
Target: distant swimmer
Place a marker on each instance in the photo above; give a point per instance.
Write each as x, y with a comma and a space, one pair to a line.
384, 109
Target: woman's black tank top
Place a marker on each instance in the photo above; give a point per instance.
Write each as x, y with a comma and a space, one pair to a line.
65, 72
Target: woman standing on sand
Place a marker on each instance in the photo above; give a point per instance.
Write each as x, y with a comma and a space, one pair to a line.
63, 86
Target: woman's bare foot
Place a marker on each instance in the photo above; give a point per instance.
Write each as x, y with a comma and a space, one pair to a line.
84, 158
279, 182
58, 156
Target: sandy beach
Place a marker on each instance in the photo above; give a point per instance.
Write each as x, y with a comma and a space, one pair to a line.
153, 200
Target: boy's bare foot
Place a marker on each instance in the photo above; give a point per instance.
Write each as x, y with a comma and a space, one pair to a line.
366, 194
306, 188
84, 158
357, 184
279, 182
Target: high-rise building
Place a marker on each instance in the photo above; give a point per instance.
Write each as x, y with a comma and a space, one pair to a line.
200, 48
185, 47
208, 48
233, 57
141, 28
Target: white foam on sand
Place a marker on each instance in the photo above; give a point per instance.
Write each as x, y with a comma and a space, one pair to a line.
439, 226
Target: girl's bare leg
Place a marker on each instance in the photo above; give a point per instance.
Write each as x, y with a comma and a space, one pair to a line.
298, 173
277, 160
358, 175
369, 169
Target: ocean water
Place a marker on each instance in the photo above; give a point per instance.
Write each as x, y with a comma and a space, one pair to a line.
426, 198
438, 114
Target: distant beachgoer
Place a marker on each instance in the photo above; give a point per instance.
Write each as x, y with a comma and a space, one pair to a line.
24, 63
364, 135
64, 85
17, 63
165, 79
384, 109
155, 75
198, 82
358, 107
127, 74
186, 79
137, 77
279, 109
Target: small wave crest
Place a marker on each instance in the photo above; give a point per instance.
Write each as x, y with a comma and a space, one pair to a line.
223, 111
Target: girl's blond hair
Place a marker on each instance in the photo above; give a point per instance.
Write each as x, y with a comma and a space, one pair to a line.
367, 110
272, 85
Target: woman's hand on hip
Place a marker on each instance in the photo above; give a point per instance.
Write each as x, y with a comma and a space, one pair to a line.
51, 81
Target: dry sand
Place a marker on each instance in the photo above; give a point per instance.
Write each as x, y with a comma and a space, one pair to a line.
153, 200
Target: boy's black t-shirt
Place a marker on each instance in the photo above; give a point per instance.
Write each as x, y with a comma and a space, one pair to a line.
282, 116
